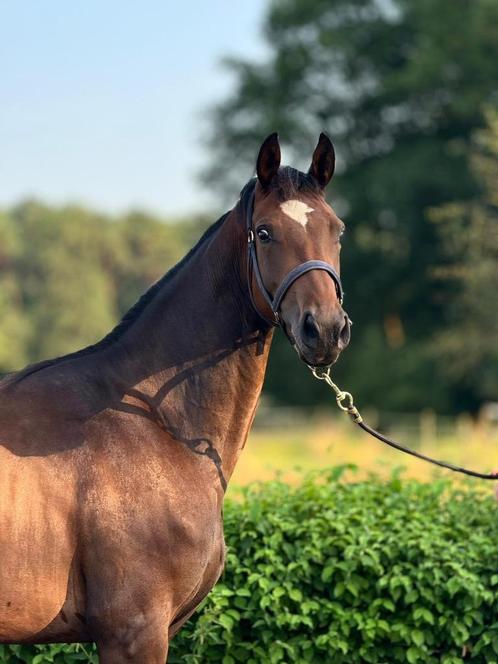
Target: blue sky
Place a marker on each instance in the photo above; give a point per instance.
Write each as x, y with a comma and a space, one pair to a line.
104, 103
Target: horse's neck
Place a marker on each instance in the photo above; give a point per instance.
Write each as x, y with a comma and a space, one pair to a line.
198, 354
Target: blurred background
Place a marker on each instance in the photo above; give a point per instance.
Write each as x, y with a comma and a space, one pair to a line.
127, 128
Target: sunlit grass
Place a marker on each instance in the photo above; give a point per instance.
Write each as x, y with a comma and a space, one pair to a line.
289, 451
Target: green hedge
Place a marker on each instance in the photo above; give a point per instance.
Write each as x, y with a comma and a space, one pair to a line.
374, 571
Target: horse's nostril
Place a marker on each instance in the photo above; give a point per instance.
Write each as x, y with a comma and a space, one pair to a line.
345, 333
310, 331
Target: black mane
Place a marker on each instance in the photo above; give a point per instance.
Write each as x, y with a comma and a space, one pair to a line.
289, 181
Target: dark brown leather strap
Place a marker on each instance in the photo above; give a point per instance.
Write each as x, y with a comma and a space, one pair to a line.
298, 271
419, 455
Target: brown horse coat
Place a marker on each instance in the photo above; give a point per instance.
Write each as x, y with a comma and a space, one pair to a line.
114, 460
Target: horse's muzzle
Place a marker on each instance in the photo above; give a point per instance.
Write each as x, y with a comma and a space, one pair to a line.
319, 339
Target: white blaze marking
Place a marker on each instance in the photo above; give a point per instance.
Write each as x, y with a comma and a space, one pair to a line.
297, 210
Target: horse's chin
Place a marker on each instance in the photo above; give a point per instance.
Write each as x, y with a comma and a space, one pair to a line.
314, 360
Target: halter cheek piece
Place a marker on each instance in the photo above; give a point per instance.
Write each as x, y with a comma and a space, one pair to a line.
291, 276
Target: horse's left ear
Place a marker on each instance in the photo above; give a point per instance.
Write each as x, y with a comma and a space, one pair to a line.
323, 162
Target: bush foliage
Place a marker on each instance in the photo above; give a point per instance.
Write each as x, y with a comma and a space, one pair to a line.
344, 572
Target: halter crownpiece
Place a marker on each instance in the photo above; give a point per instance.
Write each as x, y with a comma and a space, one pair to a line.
291, 276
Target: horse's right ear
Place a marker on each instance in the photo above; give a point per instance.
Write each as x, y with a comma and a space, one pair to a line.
268, 160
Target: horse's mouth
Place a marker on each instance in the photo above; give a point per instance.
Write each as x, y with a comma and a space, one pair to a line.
318, 361
317, 343
310, 357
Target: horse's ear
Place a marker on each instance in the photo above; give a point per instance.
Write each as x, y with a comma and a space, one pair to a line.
323, 162
268, 160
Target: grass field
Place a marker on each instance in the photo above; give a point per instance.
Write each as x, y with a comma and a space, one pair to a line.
289, 448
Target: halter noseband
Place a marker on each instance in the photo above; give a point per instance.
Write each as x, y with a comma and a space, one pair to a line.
291, 276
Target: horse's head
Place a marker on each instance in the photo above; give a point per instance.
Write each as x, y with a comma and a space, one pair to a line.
292, 224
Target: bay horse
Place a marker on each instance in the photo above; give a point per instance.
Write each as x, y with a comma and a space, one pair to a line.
114, 459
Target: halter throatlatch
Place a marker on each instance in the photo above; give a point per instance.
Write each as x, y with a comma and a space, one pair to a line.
291, 276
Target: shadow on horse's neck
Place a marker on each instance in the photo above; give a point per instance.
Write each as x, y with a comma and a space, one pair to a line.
194, 360
201, 315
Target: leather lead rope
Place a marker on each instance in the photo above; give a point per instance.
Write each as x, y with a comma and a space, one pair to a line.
345, 403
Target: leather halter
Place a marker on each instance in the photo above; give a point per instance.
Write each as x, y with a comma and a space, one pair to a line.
291, 276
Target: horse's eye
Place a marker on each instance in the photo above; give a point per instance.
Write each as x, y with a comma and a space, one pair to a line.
263, 234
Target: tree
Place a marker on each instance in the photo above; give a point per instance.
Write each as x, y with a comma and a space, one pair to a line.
400, 87
68, 274
14, 324
468, 348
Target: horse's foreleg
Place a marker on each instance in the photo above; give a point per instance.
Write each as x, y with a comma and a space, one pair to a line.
139, 639
148, 649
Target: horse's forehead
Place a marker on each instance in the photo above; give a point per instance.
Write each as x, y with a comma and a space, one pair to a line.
297, 210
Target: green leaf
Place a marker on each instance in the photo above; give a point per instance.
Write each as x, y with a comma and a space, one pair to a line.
327, 573
413, 655
295, 594
226, 621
